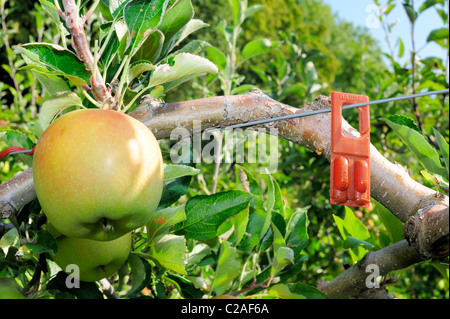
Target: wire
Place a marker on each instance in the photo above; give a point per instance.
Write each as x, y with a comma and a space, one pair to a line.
16, 150
350, 106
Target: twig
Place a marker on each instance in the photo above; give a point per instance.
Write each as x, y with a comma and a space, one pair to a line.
81, 47
108, 289
265, 284
34, 283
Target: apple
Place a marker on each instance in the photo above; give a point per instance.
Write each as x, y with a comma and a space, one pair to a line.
98, 174
95, 259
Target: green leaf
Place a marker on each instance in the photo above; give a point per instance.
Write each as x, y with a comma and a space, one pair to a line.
45, 242
419, 145
10, 239
151, 49
401, 48
53, 84
170, 252
173, 171
252, 235
296, 291
142, 17
217, 57
404, 120
185, 65
412, 14
443, 146
174, 190
282, 258
393, 225
240, 222
438, 34
55, 104
140, 273
164, 218
192, 26
354, 233
354, 226
436, 180
50, 7
278, 203
139, 67
351, 226
429, 3
194, 47
228, 268
239, 7
257, 47
57, 59
278, 239
199, 251
252, 10
431, 86
174, 20
115, 41
296, 231
270, 204
282, 291
352, 242
186, 287
205, 213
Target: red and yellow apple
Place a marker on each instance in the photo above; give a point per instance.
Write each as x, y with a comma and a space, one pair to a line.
98, 174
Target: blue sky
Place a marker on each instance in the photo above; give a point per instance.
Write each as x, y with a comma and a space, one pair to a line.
358, 12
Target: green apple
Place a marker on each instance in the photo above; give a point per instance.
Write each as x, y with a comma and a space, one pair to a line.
9, 289
95, 259
98, 174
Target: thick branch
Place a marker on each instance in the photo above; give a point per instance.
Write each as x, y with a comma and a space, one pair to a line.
427, 232
16, 193
356, 280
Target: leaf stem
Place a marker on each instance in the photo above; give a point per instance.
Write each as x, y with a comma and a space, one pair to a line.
136, 97
92, 100
122, 81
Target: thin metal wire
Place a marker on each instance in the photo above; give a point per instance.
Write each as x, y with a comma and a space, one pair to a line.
20, 152
350, 106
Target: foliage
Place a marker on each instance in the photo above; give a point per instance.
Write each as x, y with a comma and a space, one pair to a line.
231, 230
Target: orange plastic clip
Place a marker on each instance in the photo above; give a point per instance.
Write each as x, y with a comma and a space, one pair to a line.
350, 156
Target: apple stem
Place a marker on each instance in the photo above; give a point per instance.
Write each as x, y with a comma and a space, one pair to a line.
107, 225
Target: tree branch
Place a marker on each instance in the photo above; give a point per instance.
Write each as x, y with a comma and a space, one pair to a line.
352, 282
79, 43
16, 193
